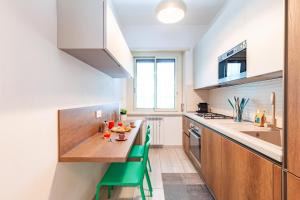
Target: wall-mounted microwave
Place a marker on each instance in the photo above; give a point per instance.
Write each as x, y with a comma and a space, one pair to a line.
233, 63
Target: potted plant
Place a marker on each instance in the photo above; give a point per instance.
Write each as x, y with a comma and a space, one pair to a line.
123, 114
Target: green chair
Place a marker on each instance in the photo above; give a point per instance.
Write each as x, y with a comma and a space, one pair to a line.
137, 151
127, 174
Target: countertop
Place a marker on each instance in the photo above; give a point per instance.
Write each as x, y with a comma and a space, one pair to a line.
97, 149
233, 130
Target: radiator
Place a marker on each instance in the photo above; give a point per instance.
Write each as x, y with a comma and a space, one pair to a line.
156, 124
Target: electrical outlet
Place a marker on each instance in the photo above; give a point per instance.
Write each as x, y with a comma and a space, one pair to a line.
98, 114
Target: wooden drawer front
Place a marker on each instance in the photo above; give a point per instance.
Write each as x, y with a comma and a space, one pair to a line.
186, 143
277, 183
185, 124
293, 187
211, 160
245, 175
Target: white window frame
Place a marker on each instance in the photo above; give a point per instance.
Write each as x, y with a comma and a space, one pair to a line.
175, 109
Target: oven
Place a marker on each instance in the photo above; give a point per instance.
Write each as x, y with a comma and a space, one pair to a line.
195, 141
233, 64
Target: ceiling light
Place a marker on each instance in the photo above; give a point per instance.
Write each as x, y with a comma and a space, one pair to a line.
170, 11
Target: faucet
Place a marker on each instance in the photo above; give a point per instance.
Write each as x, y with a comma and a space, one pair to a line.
273, 123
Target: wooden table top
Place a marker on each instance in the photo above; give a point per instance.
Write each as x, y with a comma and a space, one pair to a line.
98, 149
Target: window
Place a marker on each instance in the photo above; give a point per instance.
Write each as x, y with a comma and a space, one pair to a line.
155, 83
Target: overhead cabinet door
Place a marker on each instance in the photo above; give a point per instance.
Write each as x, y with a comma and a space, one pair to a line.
88, 30
115, 42
260, 23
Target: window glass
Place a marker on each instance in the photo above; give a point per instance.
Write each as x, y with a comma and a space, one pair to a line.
155, 83
145, 83
165, 83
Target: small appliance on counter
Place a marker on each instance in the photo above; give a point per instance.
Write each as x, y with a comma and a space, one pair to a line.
202, 108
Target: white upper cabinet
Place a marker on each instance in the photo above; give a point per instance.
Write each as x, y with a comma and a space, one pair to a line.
260, 23
115, 42
89, 31
264, 32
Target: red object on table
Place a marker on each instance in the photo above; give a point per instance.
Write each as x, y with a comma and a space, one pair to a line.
111, 124
120, 124
106, 135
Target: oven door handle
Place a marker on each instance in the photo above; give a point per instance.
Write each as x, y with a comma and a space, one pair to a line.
194, 134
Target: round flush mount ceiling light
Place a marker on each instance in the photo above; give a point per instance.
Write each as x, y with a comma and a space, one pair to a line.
170, 11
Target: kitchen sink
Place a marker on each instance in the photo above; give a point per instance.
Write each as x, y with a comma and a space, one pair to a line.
272, 136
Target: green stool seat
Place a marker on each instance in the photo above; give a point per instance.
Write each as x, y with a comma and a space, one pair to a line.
127, 174
137, 151
124, 173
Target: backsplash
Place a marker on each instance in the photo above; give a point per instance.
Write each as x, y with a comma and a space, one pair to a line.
192, 97
260, 99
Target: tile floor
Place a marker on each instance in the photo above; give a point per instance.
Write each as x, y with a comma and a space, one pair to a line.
163, 160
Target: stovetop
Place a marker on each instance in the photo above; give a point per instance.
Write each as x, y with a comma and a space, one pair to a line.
211, 115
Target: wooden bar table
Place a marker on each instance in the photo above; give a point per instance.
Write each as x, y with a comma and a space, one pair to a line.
97, 149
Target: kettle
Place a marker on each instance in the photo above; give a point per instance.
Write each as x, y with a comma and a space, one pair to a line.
202, 108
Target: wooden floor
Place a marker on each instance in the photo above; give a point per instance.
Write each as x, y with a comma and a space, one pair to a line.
163, 160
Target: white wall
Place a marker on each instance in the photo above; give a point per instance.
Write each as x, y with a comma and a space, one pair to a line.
36, 80
170, 128
261, 23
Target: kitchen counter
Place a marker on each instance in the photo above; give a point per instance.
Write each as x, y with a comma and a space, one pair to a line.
233, 130
97, 149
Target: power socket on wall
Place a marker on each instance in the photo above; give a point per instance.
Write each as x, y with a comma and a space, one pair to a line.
98, 114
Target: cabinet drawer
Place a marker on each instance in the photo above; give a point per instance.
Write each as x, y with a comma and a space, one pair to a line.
211, 160
186, 143
185, 124
293, 187
244, 174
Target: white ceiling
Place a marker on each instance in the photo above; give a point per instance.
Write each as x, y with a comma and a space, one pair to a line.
143, 31
142, 12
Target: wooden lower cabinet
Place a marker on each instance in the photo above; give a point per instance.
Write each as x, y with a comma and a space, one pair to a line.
277, 183
186, 142
233, 172
185, 124
293, 187
211, 160
244, 175
185, 135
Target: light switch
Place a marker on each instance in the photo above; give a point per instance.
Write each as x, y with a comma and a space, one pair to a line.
98, 114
